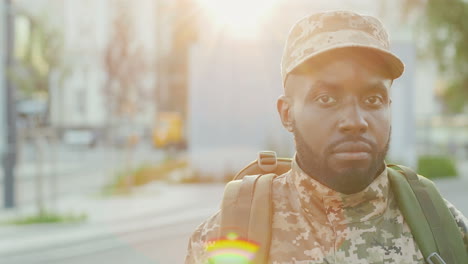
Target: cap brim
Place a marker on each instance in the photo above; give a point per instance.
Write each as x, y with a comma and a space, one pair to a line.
393, 64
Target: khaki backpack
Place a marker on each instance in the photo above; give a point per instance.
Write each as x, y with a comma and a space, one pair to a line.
247, 207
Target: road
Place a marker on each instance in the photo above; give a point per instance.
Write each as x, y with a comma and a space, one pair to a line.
159, 245
159, 236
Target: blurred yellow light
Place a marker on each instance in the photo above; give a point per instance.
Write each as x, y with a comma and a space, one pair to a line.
241, 17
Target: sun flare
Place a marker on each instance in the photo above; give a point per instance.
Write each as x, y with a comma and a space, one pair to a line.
241, 18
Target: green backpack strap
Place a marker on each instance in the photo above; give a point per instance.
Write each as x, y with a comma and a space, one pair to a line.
428, 217
247, 210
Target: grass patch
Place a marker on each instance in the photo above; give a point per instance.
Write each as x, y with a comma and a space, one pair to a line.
142, 175
195, 177
436, 167
48, 218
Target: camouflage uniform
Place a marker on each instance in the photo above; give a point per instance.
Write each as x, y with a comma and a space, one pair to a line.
315, 224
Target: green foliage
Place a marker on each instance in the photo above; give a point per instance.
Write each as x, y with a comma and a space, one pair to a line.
445, 29
48, 217
39, 55
456, 96
195, 178
142, 175
436, 167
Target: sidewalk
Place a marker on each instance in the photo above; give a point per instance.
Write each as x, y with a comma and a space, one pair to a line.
152, 206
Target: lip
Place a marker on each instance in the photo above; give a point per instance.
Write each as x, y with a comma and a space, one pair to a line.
353, 150
352, 155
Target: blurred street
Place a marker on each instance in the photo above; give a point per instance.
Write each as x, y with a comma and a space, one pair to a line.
150, 226
70, 170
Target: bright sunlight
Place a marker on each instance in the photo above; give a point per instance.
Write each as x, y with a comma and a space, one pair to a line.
241, 17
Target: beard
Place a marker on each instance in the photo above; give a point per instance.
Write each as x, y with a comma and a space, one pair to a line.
351, 180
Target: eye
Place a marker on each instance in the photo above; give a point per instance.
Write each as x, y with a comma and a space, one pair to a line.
374, 100
326, 100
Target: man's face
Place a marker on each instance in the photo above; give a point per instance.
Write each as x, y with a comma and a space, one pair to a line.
340, 116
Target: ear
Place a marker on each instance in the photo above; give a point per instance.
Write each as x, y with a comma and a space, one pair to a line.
284, 106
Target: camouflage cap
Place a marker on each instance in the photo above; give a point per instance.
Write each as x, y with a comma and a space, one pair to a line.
327, 31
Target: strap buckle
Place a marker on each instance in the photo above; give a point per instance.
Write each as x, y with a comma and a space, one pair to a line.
267, 161
435, 258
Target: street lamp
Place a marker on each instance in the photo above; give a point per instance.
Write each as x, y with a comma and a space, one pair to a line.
9, 151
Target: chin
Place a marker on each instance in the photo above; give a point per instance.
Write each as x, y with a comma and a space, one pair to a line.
352, 166
352, 174
352, 180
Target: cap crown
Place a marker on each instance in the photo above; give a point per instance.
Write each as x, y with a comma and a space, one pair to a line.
325, 31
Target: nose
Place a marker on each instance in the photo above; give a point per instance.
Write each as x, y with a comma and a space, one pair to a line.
353, 119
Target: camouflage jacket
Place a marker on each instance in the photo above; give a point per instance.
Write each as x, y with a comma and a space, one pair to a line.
315, 224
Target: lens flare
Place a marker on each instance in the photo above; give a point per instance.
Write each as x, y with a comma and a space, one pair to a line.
231, 249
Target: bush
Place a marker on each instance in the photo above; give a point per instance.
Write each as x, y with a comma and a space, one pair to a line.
195, 176
436, 167
142, 175
46, 217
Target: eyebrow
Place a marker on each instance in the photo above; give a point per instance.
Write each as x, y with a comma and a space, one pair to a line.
377, 86
321, 85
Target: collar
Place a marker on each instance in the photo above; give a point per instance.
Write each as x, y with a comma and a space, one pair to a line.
340, 209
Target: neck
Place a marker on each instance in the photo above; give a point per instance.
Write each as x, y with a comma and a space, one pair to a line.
348, 182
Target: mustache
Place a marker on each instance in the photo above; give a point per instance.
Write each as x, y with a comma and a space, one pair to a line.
330, 148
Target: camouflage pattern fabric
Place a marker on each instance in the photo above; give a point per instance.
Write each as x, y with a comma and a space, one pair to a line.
326, 31
314, 224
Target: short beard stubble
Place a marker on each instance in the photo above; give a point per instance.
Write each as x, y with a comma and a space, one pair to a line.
350, 181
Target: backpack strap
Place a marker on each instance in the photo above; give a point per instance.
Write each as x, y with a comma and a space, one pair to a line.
428, 217
247, 210
266, 162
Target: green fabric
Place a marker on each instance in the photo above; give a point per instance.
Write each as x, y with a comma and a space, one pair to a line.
412, 212
419, 199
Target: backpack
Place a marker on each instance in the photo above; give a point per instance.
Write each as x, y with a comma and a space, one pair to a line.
247, 208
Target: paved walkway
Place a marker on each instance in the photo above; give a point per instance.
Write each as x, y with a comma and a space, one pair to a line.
153, 206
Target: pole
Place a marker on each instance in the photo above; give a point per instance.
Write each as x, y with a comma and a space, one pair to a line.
9, 155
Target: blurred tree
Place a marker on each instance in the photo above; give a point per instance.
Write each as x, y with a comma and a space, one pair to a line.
183, 35
443, 31
126, 68
39, 61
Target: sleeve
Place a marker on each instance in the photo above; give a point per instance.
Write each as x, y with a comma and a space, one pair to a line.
462, 222
205, 232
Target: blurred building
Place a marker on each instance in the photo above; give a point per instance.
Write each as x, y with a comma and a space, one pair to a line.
80, 101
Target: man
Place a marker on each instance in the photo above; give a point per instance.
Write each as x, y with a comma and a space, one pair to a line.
335, 205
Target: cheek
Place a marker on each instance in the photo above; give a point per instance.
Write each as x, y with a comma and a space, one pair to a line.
382, 124
314, 127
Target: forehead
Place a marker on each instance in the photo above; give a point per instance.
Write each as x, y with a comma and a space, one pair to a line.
341, 69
